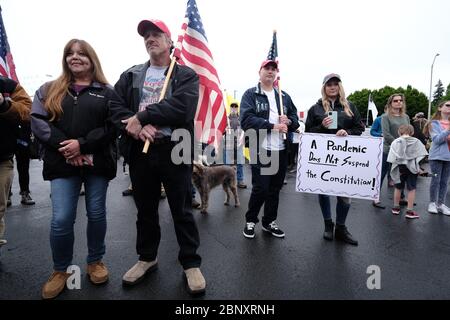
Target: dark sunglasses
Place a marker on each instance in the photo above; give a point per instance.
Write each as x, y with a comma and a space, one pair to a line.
447, 104
397, 100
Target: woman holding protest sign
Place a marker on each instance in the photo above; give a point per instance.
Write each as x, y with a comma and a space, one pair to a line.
333, 114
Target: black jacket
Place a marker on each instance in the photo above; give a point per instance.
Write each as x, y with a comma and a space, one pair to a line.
13, 95
316, 114
255, 111
86, 117
176, 111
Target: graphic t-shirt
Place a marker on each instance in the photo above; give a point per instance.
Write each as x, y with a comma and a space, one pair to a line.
151, 90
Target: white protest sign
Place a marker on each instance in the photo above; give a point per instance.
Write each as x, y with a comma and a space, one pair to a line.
340, 166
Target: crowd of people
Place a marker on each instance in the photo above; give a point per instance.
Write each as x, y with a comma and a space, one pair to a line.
79, 117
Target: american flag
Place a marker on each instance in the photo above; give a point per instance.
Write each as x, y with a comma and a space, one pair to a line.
211, 117
7, 67
273, 55
273, 51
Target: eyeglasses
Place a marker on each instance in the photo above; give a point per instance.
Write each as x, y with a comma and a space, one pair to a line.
397, 100
447, 104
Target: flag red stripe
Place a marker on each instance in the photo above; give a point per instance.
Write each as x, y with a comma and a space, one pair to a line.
194, 59
197, 43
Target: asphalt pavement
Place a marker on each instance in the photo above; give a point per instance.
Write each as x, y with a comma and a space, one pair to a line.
396, 258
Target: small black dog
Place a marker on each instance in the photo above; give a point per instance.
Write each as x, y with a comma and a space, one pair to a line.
206, 178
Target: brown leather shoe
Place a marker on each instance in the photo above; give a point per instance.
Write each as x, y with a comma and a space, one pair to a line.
196, 283
55, 284
97, 272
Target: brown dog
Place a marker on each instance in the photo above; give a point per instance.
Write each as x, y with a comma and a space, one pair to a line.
206, 178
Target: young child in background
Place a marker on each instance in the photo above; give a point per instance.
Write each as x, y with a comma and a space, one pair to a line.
405, 154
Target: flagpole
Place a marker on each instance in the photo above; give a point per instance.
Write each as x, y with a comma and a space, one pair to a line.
368, 103
169, 74
280, 95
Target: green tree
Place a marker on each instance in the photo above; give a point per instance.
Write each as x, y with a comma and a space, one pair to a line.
447, 93
416, 101
439, 93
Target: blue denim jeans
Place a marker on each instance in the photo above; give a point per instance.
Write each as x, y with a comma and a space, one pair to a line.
439, 184
235, 157
65, 193
342, 208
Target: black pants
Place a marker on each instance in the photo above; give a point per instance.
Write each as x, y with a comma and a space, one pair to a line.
23, 167
266, 190
147, 171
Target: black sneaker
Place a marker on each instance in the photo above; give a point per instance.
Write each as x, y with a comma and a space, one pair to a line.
26, 198
249, 230
274, 230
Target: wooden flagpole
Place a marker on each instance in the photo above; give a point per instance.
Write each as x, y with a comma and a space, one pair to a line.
169, 74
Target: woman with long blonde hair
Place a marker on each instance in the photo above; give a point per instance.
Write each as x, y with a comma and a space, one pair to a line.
348, 123
438, 129
71, 116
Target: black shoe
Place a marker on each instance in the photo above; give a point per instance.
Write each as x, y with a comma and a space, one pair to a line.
249, 230
26, 198
378, 205
242, 185
8, 202
127, 192
195, 204
329, 229
273, 229
341, 233
163, 193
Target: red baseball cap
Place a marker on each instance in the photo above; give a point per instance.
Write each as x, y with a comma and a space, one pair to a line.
267, 62
153, 23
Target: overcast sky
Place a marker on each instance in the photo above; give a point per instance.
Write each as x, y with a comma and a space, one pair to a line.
369, 43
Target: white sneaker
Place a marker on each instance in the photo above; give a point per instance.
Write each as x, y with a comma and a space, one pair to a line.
444, 209
432, 208
3, 242
138, 271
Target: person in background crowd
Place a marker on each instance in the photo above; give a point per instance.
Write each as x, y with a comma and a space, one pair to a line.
234, 144
405, 153
15, 105
349, 123
438, 129
23, 164
391, 120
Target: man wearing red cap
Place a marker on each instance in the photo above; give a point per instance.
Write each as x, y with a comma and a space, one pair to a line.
260, 110
140, 88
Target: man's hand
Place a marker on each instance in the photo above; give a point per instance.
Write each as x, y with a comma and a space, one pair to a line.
280, 127
148, 132
70, 148
133, 127
284, 120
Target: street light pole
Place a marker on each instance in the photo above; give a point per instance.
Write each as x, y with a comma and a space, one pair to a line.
431, 85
